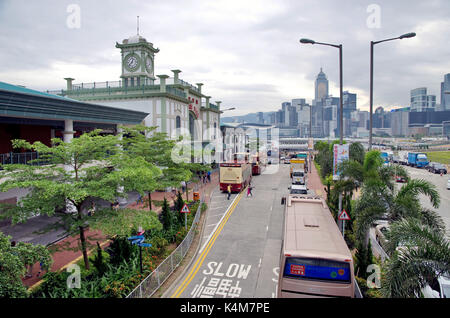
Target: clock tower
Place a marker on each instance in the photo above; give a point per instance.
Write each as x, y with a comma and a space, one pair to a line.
138, 57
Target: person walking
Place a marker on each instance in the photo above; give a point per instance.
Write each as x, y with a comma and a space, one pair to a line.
209, 176
229, 191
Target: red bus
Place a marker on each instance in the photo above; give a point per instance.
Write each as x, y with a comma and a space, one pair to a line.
259, 162
237, 174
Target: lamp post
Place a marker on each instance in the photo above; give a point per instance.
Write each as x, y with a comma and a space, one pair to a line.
339, 46
341, 107
372, 43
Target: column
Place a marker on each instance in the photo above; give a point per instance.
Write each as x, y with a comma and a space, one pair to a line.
68, 130
162, 85
69, 83
176, 76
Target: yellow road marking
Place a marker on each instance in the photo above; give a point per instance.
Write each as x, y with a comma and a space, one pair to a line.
205, 252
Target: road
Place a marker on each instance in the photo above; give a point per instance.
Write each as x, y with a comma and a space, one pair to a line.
241, 244
441, 185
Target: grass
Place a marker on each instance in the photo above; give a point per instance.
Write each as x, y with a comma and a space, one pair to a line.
439, 156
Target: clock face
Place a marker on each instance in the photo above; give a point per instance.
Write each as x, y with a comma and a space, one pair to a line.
132, 62
149, 64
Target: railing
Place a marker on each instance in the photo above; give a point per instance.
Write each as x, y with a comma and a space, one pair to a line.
153, 281
21, 158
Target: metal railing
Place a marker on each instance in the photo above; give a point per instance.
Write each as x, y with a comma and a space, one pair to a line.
21, 158
154, 281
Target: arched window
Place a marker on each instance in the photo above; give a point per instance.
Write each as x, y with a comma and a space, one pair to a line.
178, 122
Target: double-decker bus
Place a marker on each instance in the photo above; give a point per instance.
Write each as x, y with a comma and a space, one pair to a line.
315, 260
259, 162
237, 174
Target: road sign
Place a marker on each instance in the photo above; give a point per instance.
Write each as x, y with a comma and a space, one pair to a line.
185, 209
344, 216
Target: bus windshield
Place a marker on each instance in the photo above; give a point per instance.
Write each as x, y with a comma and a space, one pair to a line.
298, 174
317, 269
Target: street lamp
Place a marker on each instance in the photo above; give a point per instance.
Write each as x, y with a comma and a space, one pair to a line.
372, 43
224, 110
341, 108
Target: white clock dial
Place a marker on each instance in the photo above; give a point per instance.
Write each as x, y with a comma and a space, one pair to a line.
148, 64
132, 62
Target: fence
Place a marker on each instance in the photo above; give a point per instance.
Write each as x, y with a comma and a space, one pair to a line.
21, 158
153, 281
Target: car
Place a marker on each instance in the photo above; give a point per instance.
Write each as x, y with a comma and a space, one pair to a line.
287, 161
400, 179
448, 184
380, 231
298, 189
439, 288
439, 168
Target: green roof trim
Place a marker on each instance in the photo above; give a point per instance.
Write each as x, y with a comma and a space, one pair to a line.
16, 101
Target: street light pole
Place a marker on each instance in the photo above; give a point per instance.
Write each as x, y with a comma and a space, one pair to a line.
341, 104
372, 43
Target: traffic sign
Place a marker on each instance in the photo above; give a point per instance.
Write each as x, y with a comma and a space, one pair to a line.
185, 209
344, 216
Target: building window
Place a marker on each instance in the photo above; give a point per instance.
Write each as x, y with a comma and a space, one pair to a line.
178, 122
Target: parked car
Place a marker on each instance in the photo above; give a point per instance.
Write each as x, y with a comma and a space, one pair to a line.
400, 179
448, 184
439, 168
380, 231
430, 166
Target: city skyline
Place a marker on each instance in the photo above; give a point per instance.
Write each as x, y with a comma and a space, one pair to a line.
247, 54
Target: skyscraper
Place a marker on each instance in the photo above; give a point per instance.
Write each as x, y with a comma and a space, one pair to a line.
421, 102
445, 98
321, 86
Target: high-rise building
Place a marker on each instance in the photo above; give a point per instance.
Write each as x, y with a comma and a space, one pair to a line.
321, 86
421, 102
445, 98
399, 121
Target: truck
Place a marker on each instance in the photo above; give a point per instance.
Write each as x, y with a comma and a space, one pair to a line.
387, 156
298, 177
417, 159
297, 164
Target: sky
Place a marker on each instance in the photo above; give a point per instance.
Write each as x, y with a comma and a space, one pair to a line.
246, 52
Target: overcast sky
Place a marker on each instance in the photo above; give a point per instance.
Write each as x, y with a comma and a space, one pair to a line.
247, 53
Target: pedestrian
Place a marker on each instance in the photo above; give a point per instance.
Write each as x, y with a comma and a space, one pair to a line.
249, 191
229, 191
115, 205
204, 178
91, 210
139, 199
183, 186
209, 176
41, 268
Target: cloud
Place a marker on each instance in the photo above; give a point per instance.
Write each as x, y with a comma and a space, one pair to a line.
247, 53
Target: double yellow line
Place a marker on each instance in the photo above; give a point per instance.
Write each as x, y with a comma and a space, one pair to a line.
205, 252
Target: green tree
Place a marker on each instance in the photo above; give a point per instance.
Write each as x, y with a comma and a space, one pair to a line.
156, 149
13, 263
91, 166
166, 215
424, 255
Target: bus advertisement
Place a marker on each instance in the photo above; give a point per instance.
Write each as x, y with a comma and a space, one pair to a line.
315, 260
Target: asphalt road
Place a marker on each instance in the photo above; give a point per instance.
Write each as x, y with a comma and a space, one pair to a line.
441, 185
241, 245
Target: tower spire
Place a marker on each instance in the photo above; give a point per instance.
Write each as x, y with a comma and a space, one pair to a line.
137, 25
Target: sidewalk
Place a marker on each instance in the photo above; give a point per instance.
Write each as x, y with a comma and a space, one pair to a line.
314, 182
63, 257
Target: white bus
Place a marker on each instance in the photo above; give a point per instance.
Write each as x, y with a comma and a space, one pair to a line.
315, 260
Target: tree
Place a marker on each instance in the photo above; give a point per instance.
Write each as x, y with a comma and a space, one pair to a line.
89, 167
424, 255
166, 215
155, 148
13, 263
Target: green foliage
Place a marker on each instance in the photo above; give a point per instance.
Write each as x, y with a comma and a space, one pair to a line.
120, 250
13, 262
124, 222
99, 261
